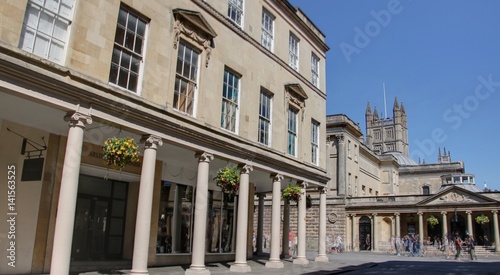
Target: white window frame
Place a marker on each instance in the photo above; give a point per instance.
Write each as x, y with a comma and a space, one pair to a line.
265, 118
267, 39
191, 79
54, 30
315, 142
133, 52
315, 70
235, 11
293, 47
292, 130
231, 101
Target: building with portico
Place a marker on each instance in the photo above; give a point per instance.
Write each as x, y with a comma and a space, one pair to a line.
377, 189
199, 85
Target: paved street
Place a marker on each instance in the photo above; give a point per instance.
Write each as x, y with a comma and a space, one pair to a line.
352, 263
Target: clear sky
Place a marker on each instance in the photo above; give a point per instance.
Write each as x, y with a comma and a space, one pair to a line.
440, 58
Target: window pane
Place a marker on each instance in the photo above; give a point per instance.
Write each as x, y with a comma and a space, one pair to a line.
45, 28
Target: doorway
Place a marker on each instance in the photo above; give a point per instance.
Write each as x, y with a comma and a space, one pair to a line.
99, 219
365, 233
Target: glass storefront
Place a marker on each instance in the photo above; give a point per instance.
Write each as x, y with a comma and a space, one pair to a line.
176, 217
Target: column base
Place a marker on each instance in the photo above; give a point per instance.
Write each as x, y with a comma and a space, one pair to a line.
275, 264
322, 258
197, 271
301, 260
138, 272
241, 268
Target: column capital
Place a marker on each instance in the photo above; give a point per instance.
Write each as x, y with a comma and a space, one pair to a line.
397, 214
339, 138
420, 213
444, 213
204, 156
277, 177
494, 211
77, 119
245, 168
151, 141
468, 212
352, 215
261, 195
303, 184
323, 190
374, 214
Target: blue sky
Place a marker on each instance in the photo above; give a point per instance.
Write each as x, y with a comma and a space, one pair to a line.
440, 58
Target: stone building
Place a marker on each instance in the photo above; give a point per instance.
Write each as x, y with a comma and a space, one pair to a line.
199, 84
377, 189
378, 193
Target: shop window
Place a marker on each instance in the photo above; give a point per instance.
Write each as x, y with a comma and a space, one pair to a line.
176, 217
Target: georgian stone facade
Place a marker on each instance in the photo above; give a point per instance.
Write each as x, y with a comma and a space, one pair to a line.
200, 85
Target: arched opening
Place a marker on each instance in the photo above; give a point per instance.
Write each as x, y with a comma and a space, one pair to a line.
365, 233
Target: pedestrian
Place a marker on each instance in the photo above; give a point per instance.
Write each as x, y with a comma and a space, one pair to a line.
458, 246
472, 248
368, 242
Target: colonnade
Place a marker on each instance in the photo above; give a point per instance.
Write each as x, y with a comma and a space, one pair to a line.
69, 190
352, 223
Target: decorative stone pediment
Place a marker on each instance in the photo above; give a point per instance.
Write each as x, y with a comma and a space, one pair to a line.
194, 26
456, 195
296, 96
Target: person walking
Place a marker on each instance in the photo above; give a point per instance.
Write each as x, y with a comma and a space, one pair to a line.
472, 249
458, 246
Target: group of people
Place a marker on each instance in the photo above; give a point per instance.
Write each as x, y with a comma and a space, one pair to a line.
410, 246
334, 244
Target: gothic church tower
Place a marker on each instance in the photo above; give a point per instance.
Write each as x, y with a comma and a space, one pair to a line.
387, 134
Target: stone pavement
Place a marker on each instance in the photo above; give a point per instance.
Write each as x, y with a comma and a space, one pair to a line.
349, 263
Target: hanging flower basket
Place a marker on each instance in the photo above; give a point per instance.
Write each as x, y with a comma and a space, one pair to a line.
120, 152
228, 179
292, 192
433, 221
482, 219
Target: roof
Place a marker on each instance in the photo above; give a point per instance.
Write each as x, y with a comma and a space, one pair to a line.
401, 159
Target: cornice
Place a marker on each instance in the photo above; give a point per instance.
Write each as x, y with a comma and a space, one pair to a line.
36, 74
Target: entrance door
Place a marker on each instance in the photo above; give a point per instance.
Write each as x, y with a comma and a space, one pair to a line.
99, 219
89, 240
365, 230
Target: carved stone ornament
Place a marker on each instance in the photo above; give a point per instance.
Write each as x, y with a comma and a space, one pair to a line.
332, 218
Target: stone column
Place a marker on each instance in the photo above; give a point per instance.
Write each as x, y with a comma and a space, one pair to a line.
240, 263
341, 165
421, 228
286, 228
469, 223
398, 225
260, 223
144, 205
444, 228
354, 227
274, 257
301, 234
495, 231
65, 220
200, 216
322, 227
374, 232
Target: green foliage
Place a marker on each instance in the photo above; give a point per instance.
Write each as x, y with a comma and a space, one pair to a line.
228, 179
482, 219
119, 152
433, 221
292, 192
